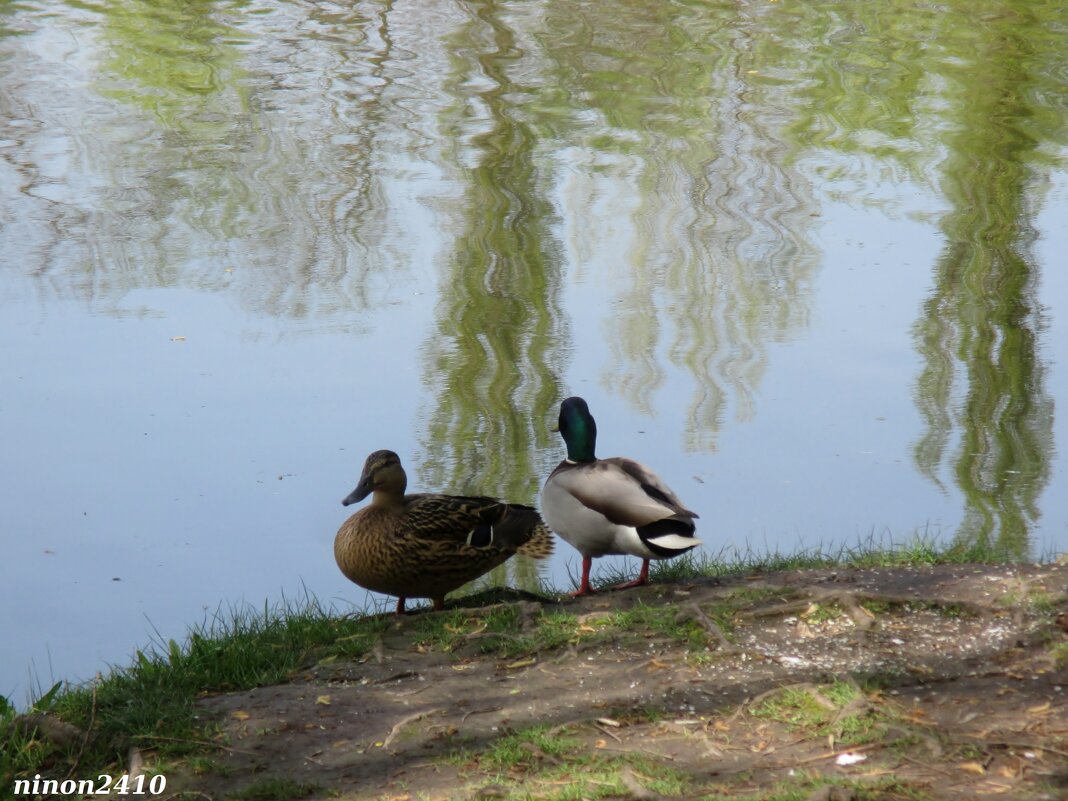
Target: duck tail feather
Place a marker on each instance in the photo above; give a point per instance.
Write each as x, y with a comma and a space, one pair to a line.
540, 544
522, 528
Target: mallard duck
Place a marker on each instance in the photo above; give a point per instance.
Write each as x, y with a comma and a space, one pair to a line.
424, 546
611, 506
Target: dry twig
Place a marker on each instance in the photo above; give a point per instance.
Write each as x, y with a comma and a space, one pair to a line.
405, 721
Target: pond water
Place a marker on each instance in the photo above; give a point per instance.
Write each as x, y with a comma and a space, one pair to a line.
805, 259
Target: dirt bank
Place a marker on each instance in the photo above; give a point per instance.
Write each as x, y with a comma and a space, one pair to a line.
929, 683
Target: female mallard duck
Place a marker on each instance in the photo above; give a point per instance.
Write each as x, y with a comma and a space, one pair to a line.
424, 546
611, 506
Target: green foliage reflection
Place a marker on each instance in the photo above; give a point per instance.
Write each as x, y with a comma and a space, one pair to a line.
491, 359
983, 381
671, 110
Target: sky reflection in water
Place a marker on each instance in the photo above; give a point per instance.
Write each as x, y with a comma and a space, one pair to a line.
795, 257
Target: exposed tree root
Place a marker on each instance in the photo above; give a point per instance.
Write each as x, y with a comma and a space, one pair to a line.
852, 602
694, 612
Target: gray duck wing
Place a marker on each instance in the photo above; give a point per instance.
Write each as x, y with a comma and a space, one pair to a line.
623, 491
653, 486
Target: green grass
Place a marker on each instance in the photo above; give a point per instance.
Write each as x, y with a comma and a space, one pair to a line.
200, 765
498, 631
523, 749
875, 551
1038, 601
824, 612
549, 765
824, 710
553, 630
152, 702
643, 621
920, 549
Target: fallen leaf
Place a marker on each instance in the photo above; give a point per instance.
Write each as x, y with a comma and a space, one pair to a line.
323, 700
720, 725
240, 714
521, 663
1041, 709
601, 744
615, 724
1006, 772
972, 767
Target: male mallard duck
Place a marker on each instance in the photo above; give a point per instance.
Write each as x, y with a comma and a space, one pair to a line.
611, 506
424, 546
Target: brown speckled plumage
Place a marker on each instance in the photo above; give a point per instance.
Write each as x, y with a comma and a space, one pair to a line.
424, 546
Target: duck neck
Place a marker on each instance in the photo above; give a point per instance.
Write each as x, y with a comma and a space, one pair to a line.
387, 499
581, 443
389, 494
